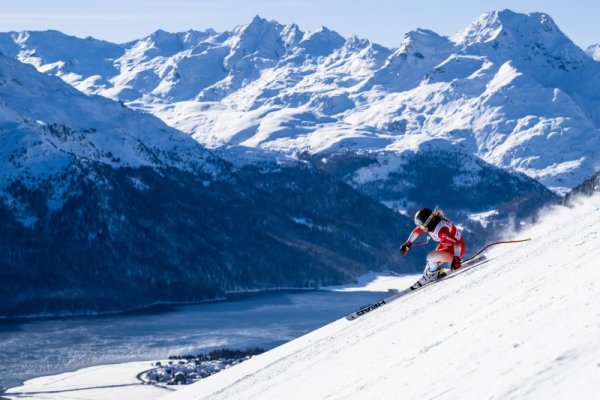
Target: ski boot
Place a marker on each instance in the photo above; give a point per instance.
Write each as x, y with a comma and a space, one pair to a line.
427, 277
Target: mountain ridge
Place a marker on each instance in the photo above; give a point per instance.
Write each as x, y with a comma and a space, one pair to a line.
509, 81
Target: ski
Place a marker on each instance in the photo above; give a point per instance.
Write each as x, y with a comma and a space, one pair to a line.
467, 265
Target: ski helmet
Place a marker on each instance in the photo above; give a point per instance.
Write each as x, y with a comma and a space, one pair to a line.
423, 217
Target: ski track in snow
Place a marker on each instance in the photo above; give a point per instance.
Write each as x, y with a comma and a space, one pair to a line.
524, 325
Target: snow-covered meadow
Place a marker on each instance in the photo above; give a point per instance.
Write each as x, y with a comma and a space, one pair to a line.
115, 382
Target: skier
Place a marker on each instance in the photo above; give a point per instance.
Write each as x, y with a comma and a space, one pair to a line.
450, 249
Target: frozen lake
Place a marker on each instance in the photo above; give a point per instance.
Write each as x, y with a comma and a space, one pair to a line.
31, 348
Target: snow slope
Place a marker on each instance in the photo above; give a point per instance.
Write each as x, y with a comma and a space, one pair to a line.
46, 125
525, 325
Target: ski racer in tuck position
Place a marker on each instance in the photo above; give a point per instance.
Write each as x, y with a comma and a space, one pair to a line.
450, 249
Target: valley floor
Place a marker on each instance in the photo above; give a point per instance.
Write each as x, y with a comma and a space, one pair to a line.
122, 381
115, 382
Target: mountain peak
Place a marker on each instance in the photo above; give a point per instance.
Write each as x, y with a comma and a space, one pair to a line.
192, 37
291, 34
259, 36
423, 42
422, 37
258, 29
172, 42
323, 32
162, 35
322, 41
594, 51
533, 41
354, 43
494, 24
258, 26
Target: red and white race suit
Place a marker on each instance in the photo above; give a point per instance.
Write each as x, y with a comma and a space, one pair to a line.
451, 244
447, 234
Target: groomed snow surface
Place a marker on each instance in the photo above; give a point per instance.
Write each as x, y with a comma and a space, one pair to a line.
525, 325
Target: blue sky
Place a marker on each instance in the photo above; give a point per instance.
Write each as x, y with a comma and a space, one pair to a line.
382, 21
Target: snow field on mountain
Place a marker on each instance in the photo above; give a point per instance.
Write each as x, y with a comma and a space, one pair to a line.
48, 125
510, 88
524, 325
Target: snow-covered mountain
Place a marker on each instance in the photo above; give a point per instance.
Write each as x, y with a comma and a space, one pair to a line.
510, 89
594, 51
47, 125
104, 208
524, 325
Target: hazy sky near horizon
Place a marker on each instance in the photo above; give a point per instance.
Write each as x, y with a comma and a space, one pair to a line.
382, 21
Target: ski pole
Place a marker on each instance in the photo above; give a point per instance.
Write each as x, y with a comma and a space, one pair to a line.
495, 243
